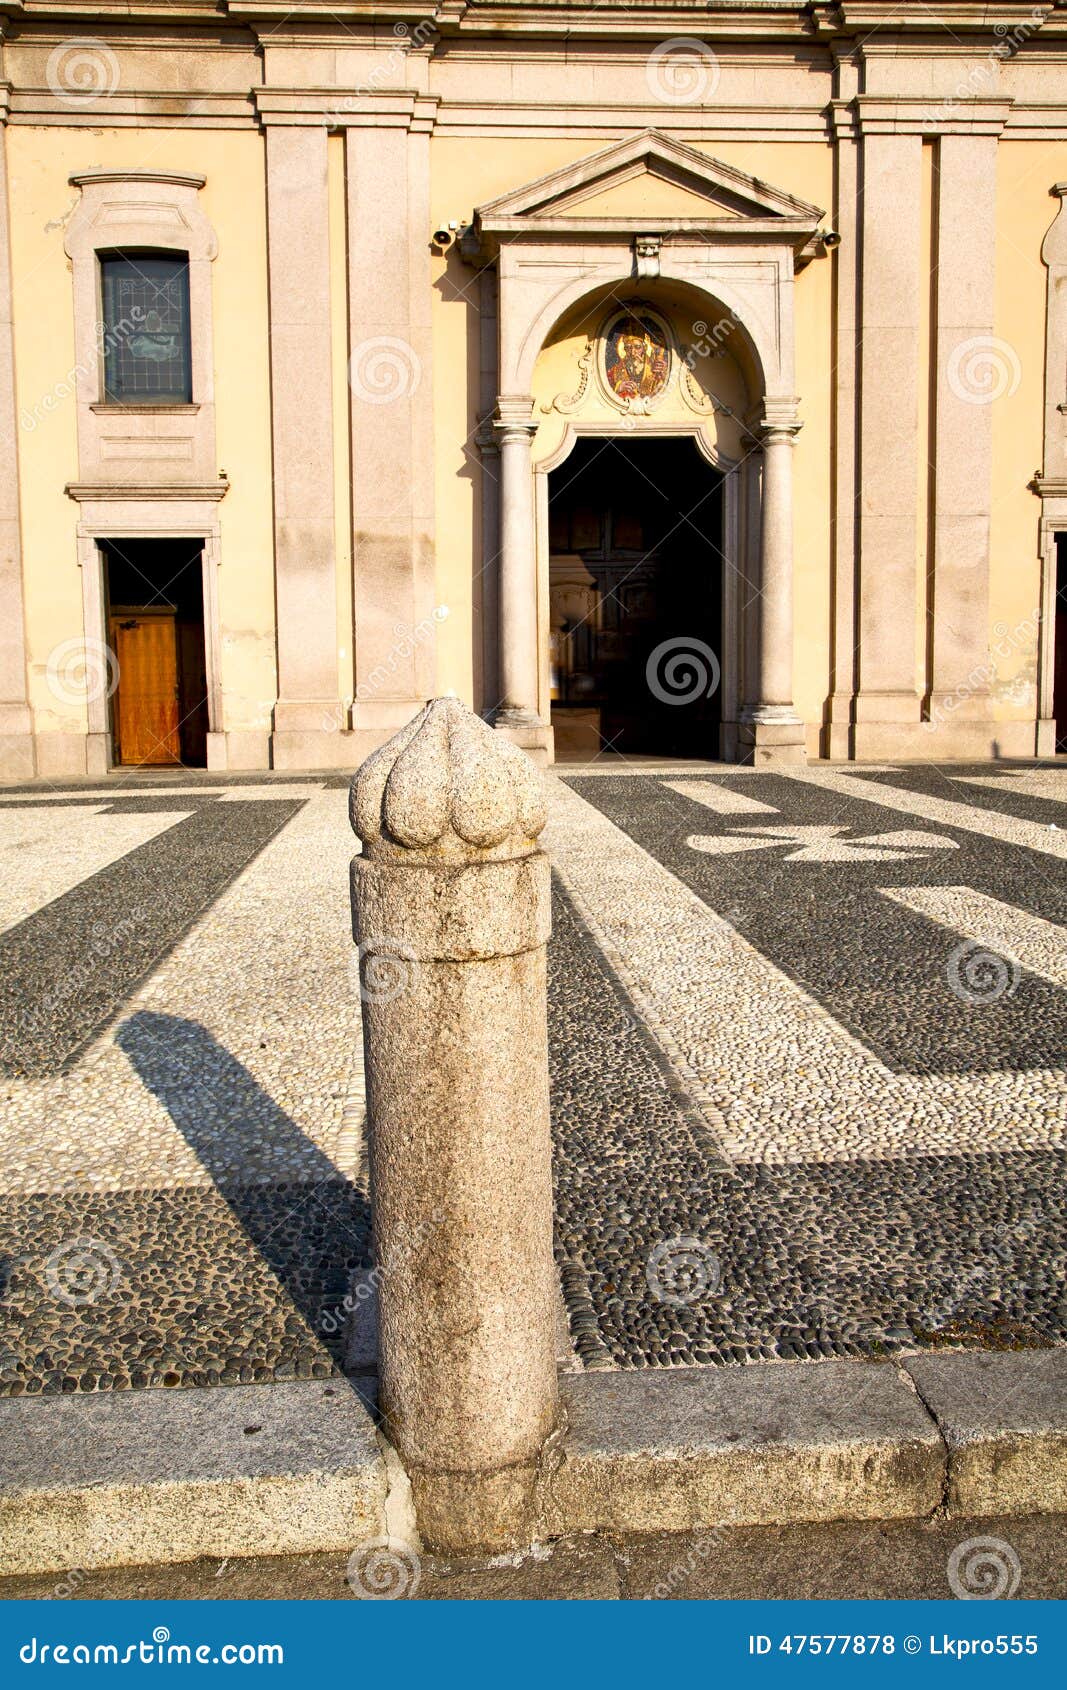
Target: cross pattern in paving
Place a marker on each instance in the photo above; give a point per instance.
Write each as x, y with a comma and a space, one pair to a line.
807, 1038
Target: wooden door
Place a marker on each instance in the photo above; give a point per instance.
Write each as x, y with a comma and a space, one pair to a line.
146, 716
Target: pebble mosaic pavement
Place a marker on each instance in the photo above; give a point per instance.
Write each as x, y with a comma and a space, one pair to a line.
809, 1070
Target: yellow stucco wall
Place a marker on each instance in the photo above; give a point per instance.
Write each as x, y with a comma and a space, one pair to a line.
42, 201
465, 173
1025, 172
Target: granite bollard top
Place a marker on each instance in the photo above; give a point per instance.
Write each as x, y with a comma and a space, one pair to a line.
447, 787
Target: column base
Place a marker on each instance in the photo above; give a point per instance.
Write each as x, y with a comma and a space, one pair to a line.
1045, 739
538, 742
238, 748
314, 750
526, 729
771, 733
384, 715
17, 761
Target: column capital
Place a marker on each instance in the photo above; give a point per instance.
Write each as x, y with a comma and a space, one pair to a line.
513, 417
776, 423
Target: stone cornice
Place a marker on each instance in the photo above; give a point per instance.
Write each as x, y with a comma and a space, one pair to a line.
174, 178
340, 108
193, 492
873, 114
752, 20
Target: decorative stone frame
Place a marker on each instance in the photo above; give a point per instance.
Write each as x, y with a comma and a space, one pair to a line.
638, 308
738, 259
158, 513
740, 549
125, 443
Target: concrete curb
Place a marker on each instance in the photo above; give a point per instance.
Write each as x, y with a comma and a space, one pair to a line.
648, 1452
157, 1476
150, 1477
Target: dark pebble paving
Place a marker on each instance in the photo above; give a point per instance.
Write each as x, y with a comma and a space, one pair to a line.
881, 969
817, 1259
120, 1290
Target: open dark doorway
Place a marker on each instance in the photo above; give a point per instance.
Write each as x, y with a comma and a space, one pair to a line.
155, 614
635, 537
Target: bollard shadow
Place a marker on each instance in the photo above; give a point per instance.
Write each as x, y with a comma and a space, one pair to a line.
280, 1186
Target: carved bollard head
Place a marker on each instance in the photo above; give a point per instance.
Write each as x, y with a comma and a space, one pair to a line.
447, 788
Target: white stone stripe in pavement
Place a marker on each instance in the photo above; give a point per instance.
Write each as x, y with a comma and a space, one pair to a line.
722, 799
1010, 830
775, 1075
267, 972
1037, 945
45, 853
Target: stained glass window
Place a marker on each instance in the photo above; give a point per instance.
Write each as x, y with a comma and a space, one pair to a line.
145, 328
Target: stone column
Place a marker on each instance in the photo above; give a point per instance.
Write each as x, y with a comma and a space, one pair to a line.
771, 730
973, 370
890, 191
517, 715
452, 915
308, 714
16, 738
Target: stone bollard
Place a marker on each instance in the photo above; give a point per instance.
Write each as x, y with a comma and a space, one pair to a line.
451, 913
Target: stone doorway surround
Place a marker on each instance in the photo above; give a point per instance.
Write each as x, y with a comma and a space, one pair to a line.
734, 545
735, 245
160, 513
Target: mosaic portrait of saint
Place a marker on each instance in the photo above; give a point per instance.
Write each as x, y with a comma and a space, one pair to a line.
637, 359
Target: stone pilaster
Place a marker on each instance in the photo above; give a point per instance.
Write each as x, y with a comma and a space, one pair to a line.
16, 737
837, 739
972, 371
390, 378
890, 192
308, 714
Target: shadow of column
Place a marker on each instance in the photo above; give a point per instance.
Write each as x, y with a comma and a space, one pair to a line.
308, 1221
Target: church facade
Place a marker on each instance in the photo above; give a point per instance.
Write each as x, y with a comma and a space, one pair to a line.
663, 379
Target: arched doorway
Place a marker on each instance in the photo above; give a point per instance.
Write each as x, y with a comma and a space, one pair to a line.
635, 532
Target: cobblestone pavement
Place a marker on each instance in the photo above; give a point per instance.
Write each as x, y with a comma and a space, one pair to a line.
808, 1044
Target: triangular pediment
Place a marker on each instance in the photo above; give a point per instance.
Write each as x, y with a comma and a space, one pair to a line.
644, 179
